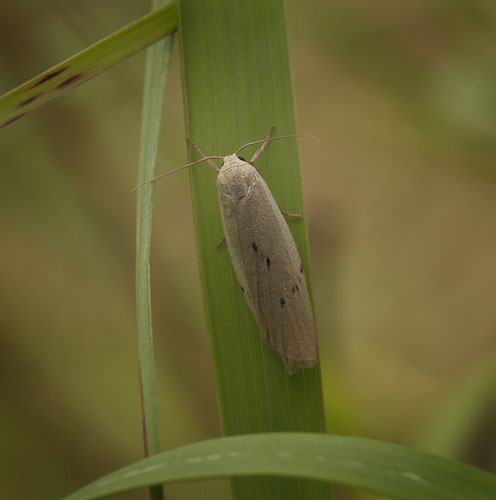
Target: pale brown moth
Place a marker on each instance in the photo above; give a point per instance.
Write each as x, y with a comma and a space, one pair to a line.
265, 258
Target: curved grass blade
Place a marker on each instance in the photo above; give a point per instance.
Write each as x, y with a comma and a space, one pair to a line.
392, 470
86, 64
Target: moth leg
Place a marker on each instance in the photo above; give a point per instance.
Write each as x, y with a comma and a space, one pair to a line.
210, 163
259, 151
223, 240
287, 214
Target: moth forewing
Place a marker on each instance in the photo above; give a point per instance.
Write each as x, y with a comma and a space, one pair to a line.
267, 264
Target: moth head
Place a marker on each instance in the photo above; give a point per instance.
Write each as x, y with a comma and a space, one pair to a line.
236, 177
232, 160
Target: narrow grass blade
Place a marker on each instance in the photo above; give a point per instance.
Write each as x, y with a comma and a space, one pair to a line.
237, 83
86, 64
157, 65
381, 468
461, 421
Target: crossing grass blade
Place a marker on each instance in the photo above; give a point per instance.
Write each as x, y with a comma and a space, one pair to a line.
86, 64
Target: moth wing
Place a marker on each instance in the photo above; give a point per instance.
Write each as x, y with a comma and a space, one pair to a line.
269, 270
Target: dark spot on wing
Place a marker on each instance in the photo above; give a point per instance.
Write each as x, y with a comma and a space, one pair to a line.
254, 247
70, 80
268, 262
301, 268
295, 288
282, 301
242, 289
48, 77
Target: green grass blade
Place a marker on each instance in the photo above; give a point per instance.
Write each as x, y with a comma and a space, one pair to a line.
86, 64
237, 83
468, 411
381, 468
157, 65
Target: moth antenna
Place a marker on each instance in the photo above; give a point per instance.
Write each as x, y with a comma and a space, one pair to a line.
211, 164
271, 139
176, 170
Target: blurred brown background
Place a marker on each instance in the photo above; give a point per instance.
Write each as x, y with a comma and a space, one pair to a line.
400, 194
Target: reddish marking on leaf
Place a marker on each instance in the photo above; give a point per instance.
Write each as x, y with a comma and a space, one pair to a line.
12, 120
48, 77
30, 100
70, 80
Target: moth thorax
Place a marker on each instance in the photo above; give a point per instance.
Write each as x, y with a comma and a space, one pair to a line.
236, 177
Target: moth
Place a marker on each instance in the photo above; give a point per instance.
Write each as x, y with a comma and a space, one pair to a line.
265, 258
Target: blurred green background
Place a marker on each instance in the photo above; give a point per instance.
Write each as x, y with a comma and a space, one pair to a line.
400, 195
